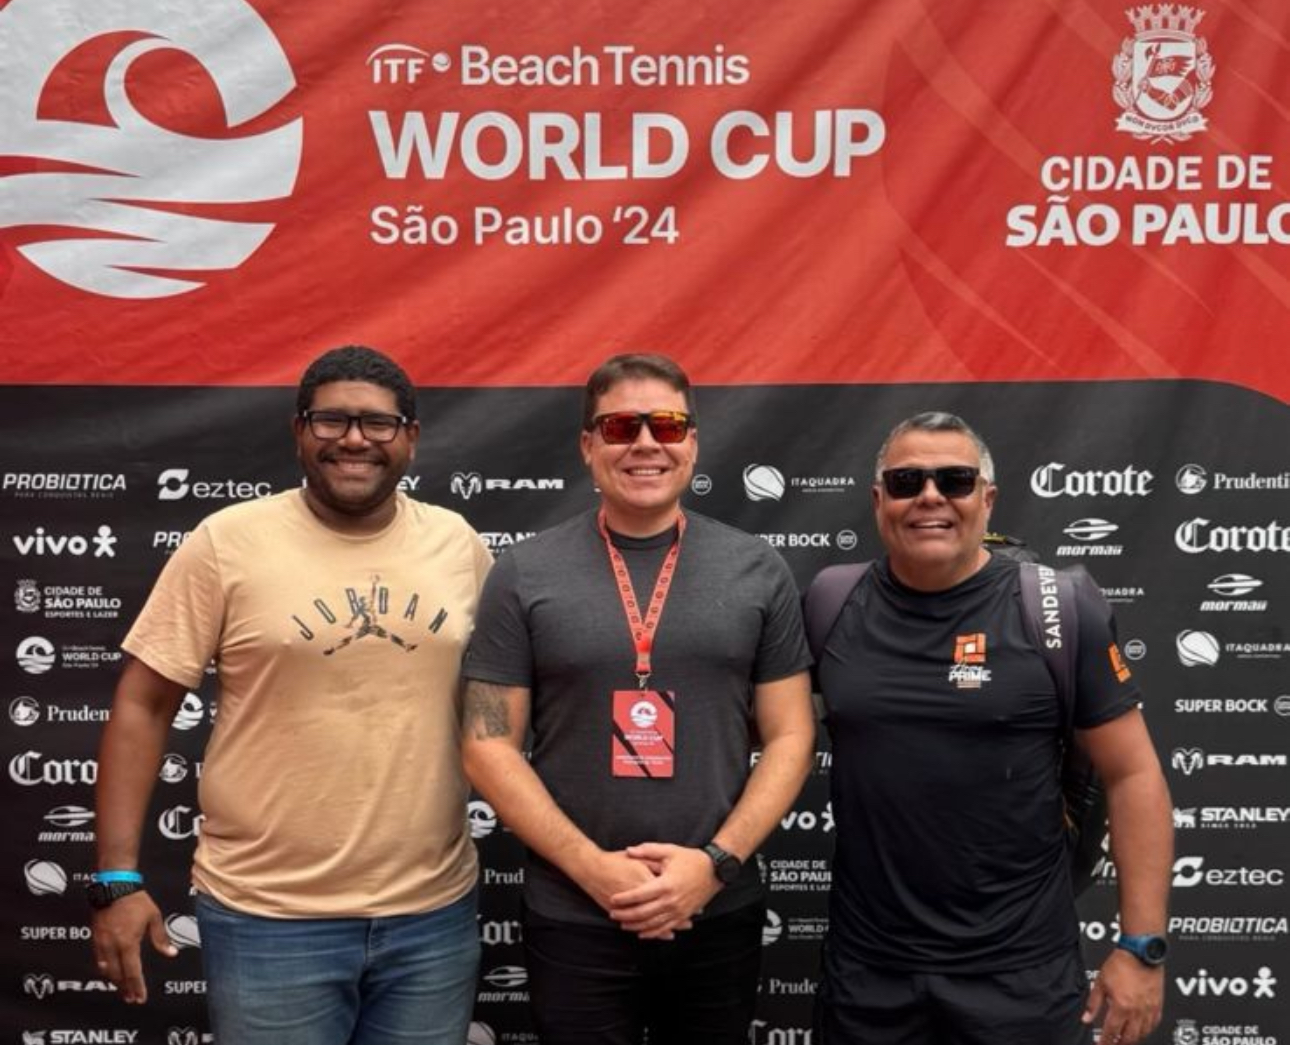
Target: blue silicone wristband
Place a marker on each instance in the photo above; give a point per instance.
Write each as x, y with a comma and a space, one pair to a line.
104, 877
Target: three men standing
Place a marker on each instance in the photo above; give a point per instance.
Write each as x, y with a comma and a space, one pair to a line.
646, 647
335, 875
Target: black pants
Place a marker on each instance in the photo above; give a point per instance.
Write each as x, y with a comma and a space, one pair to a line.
861, 1004
604, 986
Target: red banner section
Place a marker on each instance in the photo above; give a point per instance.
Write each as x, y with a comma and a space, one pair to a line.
895, 192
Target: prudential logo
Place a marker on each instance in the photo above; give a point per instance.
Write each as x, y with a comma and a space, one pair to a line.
100, 176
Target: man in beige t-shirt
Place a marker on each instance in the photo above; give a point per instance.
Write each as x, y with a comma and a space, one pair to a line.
335, 874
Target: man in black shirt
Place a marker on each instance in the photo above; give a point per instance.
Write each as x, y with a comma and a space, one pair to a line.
952, 918
643, 909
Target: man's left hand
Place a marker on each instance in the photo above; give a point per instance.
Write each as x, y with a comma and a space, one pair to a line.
683, 884
1132, 995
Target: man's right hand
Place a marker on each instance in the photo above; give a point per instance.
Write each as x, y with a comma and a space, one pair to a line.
119, 930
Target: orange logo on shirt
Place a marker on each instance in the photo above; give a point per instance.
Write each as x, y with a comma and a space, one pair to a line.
970, 649
1121, 669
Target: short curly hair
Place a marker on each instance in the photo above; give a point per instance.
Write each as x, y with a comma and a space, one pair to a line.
358, 363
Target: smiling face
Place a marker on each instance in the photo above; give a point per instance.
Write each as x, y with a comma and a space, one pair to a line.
352, 481
933, 541
640, 483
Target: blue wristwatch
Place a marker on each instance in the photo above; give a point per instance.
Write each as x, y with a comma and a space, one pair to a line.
1149, 948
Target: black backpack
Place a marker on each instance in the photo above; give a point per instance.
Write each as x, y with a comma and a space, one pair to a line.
1048, 598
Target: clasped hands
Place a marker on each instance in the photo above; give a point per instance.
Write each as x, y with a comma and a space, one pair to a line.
654, 889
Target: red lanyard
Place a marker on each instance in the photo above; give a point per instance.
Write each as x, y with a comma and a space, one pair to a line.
642, 629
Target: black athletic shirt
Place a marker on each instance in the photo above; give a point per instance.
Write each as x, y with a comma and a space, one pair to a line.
945, 727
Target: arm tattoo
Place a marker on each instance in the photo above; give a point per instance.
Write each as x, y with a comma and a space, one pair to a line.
486, 712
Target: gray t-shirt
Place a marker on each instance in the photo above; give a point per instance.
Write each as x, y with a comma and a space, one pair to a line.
550, 619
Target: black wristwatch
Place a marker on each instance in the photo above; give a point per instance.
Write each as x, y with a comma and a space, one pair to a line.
726, 866
1149, 948
107, 888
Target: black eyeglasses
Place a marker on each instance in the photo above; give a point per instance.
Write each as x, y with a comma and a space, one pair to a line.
335, 424
953, 481
666, 426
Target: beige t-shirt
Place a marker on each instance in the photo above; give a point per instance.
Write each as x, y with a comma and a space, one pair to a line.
332, 783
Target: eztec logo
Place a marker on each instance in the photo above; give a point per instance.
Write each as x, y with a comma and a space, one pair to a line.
99, 178
174, 484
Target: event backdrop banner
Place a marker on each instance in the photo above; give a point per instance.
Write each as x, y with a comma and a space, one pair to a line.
1066, 220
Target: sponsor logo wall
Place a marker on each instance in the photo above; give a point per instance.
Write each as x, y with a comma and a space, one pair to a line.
1221, 717
827, 253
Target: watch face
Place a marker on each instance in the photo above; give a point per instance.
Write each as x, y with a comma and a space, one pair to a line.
725, 866
1155, 949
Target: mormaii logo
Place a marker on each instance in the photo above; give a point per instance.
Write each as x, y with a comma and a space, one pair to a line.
1090, 533
110, 194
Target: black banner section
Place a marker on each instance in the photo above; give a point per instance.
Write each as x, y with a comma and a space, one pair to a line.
1173, 494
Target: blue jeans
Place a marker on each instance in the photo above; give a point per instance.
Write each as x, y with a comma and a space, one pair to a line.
340, 981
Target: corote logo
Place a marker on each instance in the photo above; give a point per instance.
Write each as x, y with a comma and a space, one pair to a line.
1054, 480
1163, 74
180, 822
127, 161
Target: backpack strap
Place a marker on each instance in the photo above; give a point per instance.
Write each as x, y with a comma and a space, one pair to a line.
824, 600
1048, 598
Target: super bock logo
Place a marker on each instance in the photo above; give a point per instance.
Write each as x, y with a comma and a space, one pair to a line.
104, 193
1163, 74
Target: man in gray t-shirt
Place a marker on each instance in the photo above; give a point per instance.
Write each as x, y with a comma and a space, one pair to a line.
646, 648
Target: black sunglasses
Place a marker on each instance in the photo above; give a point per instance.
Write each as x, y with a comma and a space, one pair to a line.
955, 480
666, 426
